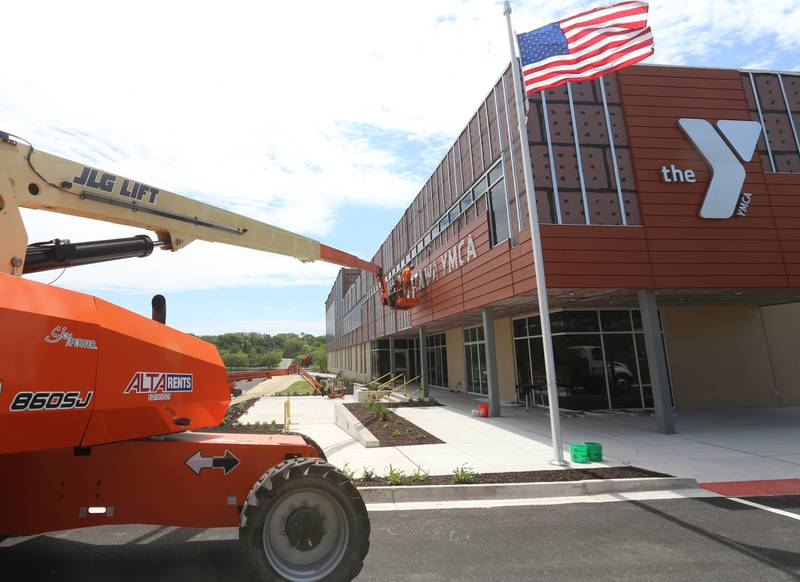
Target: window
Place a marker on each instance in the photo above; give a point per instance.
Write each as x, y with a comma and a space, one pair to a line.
495, 174
380, 358
599, 355
499, 228
436, 354
480, 187
466, 201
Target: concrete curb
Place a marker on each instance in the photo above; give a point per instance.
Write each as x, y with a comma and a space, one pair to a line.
421, 493
352, 426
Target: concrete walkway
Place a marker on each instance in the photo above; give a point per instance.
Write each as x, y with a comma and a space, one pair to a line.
469, 441
712, 446
268, 388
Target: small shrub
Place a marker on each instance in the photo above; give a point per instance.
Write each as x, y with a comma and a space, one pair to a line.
420, 436
395, 476
348, 472
386, 425
381, 412
419, 476
368, 474
464, 474
410, 431
235, 410
273, 426
397, 434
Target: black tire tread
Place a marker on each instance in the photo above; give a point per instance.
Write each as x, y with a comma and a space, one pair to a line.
273, 482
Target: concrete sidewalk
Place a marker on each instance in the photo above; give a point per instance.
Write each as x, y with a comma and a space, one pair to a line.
268, 387
712, 446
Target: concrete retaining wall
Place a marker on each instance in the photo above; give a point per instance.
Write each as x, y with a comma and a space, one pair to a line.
352, 426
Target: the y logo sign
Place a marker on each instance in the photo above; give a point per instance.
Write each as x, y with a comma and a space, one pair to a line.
727, 172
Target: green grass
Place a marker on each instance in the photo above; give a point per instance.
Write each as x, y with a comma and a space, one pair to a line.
464, 474
299, 388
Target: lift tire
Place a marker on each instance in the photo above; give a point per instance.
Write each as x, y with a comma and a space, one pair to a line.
305, 521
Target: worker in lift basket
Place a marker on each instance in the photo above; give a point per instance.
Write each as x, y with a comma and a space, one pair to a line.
393, 288
405, 276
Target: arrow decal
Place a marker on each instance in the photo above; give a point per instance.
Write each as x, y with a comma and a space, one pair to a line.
227, 462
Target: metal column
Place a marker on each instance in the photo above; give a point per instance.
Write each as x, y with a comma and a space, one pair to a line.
656, 361
423, 362
491, 362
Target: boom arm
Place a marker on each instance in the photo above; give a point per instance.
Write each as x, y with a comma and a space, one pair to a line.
33, 179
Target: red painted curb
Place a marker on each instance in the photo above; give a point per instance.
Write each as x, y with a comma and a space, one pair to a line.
755, 488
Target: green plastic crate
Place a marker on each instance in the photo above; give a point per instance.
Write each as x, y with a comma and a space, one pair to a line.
594, 451
578, 453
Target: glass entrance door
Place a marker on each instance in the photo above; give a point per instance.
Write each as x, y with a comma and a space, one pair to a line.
401, 363
475, 356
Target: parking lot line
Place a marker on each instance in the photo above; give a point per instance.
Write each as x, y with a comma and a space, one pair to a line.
775, 510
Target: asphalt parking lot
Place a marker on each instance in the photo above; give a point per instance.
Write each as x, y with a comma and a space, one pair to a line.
686, 539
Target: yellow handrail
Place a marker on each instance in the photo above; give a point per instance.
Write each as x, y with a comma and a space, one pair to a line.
374, 393
287, 414
378, 379
403, 386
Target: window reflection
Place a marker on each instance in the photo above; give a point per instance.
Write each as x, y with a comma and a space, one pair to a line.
594, 369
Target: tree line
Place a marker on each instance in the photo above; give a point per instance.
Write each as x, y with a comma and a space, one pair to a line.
261, 350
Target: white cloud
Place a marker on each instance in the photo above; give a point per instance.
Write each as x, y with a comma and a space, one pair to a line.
200, 265
266, 108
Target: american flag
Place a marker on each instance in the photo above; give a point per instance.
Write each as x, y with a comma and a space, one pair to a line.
585, 46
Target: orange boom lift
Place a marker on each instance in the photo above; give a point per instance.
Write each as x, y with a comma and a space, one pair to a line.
102, 410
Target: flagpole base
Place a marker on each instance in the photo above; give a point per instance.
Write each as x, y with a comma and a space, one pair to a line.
559, 463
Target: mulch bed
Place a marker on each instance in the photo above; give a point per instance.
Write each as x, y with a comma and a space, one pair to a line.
235, 412
260, 428
386, 431
526, 476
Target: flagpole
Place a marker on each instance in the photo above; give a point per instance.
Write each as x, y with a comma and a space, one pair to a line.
538, 261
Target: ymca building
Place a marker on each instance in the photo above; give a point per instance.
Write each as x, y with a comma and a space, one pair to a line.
669, 203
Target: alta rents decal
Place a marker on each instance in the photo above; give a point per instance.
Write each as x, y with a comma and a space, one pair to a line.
724, 195
159, 385
50, 401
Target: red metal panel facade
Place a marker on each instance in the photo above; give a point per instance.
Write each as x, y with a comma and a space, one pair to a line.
665, 245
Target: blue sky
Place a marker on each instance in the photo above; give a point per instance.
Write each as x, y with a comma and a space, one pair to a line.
327, 126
